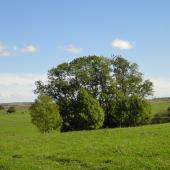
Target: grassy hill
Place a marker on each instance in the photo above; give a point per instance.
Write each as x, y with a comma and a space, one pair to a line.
22, 147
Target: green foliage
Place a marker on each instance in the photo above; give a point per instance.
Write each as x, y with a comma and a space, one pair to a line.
11, 110
89, 114
161, 118
139, 111
130, 111
45, 114
129, 81
82, 113
111, 81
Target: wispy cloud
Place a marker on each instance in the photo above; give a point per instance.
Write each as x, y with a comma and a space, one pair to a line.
18, 87
73, 49
122, 44
29, 49
6, 51
9, 51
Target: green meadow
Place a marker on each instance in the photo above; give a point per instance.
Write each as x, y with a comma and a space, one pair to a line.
159, 106
84, 85
22, 147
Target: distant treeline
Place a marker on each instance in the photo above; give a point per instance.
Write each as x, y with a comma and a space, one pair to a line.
16, 104
161, 98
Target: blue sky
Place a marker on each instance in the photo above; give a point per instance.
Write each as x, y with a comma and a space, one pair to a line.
36, 35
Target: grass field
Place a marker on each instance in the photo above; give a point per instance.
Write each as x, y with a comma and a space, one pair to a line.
159, 106
22, 147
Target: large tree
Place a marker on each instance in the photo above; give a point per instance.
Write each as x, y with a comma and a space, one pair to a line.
111, 81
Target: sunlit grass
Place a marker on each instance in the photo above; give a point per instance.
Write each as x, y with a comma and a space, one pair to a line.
22, 147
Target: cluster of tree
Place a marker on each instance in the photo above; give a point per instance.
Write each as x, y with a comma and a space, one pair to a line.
96, 91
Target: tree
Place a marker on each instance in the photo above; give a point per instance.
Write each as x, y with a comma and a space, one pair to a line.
11, 109
111, 81
129, 80
45, 114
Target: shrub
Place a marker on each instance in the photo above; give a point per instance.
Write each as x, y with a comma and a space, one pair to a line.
45, 114
11, 109
161, 118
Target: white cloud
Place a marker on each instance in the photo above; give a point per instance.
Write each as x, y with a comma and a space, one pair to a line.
5, 51
122, 44
161, 87
29, 49
18, 87
73, 49
8, 51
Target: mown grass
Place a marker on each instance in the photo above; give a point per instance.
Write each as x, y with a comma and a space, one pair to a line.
22, 147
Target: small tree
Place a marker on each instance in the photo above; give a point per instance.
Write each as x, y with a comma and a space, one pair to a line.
11, 110
89, 113
45, 114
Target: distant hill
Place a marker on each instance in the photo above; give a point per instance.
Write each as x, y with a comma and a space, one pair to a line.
161, 98
17, 104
